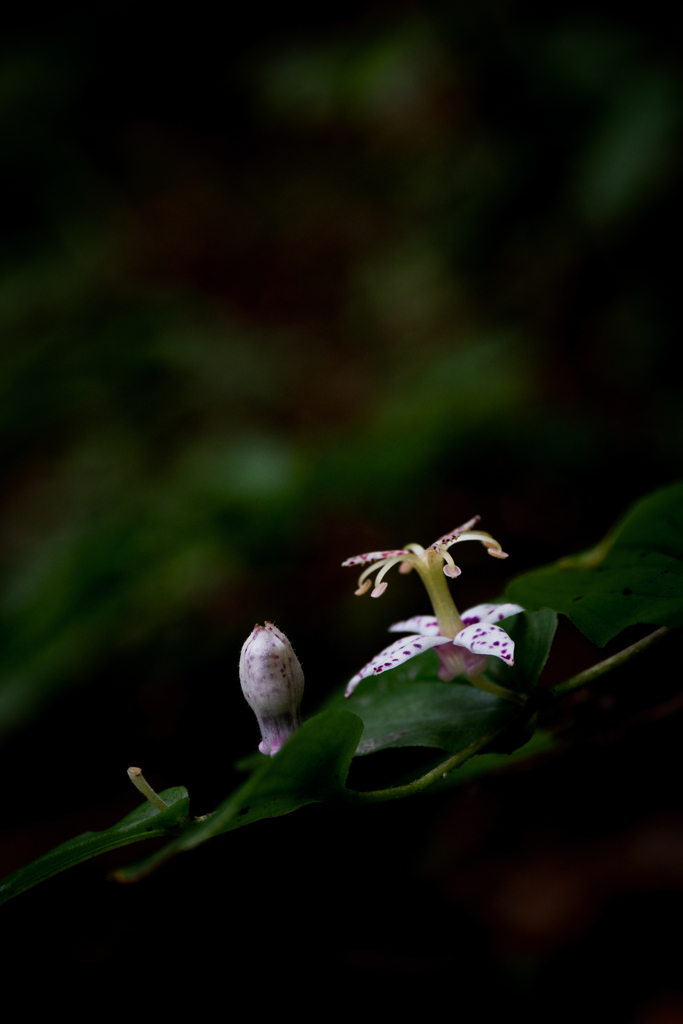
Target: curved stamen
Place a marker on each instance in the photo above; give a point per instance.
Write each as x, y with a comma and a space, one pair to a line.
496, 552
379, 586
486, 539
450, 569
368, 572
407, 567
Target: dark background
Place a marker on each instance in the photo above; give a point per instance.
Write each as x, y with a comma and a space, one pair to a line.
276, 289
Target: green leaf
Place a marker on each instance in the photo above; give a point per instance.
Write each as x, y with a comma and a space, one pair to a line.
145, 822
409, 706
311, 768
533, 634
635, 575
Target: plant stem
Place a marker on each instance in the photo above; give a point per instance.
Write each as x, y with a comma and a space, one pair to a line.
376, 796
482, 683
607, 665
140, 782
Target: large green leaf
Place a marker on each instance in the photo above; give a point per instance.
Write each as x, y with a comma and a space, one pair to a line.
449, 716
409, 706
311, 768
145, 822
533, 634
634, 575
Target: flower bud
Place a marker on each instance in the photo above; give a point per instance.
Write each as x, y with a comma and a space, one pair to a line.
273, 684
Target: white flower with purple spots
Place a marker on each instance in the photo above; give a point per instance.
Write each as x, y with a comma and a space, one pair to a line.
463, 643
465, 654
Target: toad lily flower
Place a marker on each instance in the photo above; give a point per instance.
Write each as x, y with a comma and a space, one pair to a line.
463, 643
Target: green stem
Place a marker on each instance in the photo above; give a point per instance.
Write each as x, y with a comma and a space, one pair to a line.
607, 665
142, 785
376, 796
482, 683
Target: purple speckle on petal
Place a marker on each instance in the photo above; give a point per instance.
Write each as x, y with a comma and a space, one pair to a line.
496, 643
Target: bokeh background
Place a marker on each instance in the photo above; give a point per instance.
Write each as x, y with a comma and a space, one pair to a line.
276, 289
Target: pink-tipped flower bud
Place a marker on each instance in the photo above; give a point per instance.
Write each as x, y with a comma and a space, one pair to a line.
273, 684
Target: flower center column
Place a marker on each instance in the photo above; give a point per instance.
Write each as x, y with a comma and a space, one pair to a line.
433, 577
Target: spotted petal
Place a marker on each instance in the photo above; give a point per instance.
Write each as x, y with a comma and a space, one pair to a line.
482, 638
490, 613
396, 654
372, 556
425, 625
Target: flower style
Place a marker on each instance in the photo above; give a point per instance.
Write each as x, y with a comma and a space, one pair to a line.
463, 643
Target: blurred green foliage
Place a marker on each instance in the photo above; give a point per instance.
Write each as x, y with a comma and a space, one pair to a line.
341, 282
